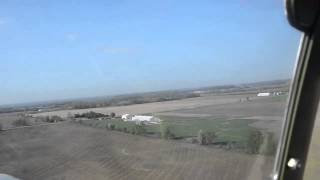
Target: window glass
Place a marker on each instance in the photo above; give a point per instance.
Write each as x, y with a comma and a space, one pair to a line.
143, 89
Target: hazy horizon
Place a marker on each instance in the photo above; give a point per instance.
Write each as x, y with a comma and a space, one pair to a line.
56, 50
130, 93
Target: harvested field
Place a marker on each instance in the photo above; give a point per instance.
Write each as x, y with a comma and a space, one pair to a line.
258, 107
189, 103
268, 111
72, 151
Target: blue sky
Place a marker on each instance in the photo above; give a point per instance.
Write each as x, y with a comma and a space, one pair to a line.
67, 49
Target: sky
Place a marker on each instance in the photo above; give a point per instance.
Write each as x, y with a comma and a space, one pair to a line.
68, 49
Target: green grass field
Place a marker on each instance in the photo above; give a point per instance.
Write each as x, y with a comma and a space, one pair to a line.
236, 131
281, 98
226, 130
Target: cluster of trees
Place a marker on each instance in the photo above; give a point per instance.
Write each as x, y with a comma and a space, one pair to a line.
21, 122
206, 137
111, 126
165, 131
52, 119
261, 143
138, 129
254, 142
93, 115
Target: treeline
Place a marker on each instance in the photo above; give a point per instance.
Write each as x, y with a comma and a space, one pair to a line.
257, 142
52, 119
137, 129
94, 115
48, 119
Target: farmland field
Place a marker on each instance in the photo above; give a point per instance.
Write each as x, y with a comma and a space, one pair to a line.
155, 107
87, 150
267, 111
71, 151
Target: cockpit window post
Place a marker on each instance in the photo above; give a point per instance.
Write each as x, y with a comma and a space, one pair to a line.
305, 92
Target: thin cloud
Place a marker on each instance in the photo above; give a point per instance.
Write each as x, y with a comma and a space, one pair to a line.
4, 20
117, 50
72, 36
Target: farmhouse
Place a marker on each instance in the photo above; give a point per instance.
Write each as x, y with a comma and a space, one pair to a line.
263, 94
149, 119
126, 117
141, 119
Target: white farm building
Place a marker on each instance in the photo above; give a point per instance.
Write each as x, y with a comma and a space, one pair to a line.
141, 119
126, 117
264, 94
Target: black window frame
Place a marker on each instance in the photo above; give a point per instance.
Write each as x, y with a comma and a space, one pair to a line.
304, 94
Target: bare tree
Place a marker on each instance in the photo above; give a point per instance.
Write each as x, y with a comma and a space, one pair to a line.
112, 114
205, 138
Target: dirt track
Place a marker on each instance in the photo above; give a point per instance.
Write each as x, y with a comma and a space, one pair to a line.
72, 151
